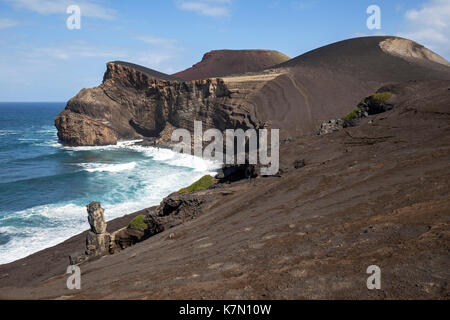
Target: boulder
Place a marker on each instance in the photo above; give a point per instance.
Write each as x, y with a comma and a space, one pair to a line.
178, 204
126, 237
299, 164
330, 126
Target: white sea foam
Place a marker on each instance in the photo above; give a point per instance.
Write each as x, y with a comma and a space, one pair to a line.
105, 167
119, 145
67, 220
61, 221
178, 159
158, 154
8, 132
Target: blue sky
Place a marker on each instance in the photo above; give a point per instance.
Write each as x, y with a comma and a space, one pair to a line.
42, 60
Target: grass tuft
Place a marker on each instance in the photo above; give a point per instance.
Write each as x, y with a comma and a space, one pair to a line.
138, 222
352, 115
204, 183
382, 96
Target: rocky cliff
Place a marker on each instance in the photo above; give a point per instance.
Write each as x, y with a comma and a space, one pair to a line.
134, 103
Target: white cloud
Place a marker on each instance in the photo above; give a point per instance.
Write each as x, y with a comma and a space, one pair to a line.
158, 42
303, 4
160, 57
7, 23
152, 59
211, 8
163, 51
92, 9
76, 52
430, 25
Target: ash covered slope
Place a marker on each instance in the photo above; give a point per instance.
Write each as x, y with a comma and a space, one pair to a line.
150, 72
328, 82
373, 194
295, 96
220, 63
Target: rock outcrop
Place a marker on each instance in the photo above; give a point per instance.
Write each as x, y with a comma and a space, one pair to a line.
232, 173
173, 210
131, 235
98, 240
79, 130
132, 104
376, 103
330, 126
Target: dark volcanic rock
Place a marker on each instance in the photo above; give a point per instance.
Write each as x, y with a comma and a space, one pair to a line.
299, 164
232, 173
172, 211
179, 205
129, 236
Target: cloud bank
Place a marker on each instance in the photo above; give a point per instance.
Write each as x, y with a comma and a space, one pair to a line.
430, 26
91, 9
210, 8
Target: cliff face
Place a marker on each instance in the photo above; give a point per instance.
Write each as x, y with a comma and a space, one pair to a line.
132, 103
296, 96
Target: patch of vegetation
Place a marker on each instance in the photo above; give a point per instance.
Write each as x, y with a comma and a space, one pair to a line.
138, 222
204, 183
352, 115
382, 96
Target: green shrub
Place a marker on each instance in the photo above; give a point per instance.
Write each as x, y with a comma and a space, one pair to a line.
138, 222
204, 183
352, 115
382, 96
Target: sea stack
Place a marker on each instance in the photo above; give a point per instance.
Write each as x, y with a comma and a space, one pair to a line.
97, 239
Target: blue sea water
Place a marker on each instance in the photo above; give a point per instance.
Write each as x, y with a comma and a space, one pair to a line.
45, 187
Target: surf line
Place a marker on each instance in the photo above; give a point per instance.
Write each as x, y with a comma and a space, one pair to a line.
257, 145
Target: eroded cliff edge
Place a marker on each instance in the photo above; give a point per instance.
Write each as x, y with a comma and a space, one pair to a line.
296, 96
134, 102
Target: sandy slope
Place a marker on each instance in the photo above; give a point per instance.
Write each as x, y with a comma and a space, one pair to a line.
221, 63
300, 94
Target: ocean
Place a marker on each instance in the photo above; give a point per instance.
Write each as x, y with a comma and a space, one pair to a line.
45, 186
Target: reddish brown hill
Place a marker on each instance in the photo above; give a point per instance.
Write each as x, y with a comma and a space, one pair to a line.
220, 63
